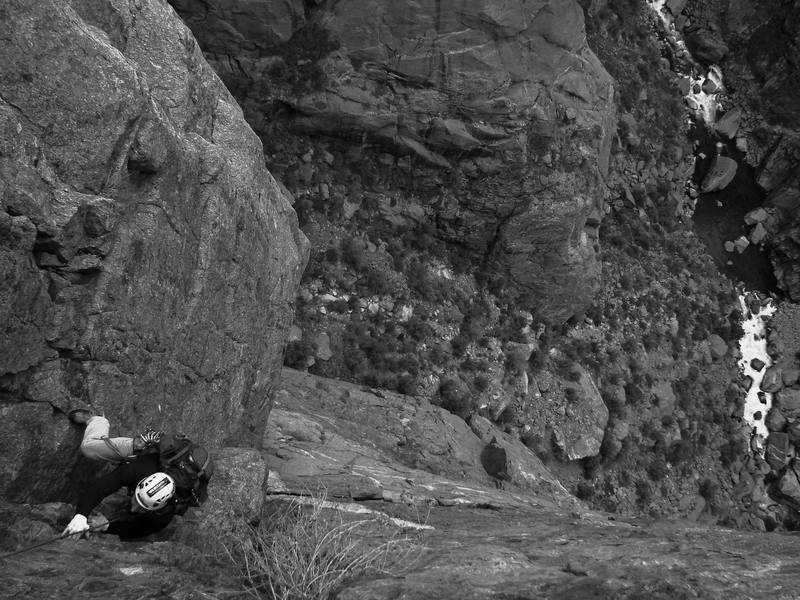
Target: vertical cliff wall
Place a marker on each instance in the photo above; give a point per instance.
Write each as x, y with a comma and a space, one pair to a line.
148, 260
497, 113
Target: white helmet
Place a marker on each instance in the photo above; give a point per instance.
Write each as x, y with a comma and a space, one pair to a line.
154, 491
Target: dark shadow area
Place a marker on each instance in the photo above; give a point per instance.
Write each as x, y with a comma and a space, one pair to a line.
719, 217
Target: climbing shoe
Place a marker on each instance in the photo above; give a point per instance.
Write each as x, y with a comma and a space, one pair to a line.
79, 416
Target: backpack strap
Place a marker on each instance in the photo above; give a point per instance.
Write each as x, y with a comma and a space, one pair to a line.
203, 467
179, 454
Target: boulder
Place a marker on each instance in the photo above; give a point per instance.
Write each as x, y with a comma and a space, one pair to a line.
759, 215
728, 124
758, 234
664, 396
790, 375
676, 6
710, 86
508, 459
741, 243
775, 421
323, 345
789, 487
793, 431
789, 401
240, 476
757, 364
717, 346
129, 171
779, 450
773, 380
721, 173
706, 46
580, 433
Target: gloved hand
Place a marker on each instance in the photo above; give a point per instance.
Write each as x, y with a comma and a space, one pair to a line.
97, 524
77, 527
150, 437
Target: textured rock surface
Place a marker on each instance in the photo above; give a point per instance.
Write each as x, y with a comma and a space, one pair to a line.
478, 541
363, 444
107, 566
500, 114
148, 258
580, 432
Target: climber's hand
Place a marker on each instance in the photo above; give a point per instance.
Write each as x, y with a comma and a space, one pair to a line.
150, 437
76, 528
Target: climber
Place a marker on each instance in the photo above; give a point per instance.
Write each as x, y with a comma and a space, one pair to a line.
159, 485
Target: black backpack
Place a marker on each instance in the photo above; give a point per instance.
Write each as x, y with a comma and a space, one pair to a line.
189, 464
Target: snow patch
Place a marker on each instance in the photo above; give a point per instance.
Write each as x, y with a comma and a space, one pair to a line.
754, 345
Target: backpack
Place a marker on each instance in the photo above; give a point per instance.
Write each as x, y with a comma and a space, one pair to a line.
189, 464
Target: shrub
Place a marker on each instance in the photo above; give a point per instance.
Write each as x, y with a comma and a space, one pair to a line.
584, 491
629, 345
538, 360
708, 490
340, 306
298, 352
657, 469
333, 255
679, 451
516, 360
353, 253
459, 345
634, 394
729, 452
456, 397
430, 287
377, 281
644, 494
481, 383
417, 328
306, 550
407, 384
613, 401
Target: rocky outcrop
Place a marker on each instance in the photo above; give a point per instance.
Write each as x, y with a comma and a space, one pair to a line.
579, 434
500, 115
457, 533
357, 443
148, 258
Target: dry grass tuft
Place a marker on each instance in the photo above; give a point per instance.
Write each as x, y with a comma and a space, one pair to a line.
304, 550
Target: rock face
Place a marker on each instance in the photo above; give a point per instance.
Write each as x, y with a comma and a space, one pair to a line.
463, 532
500, 115
361, 444
148, 258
